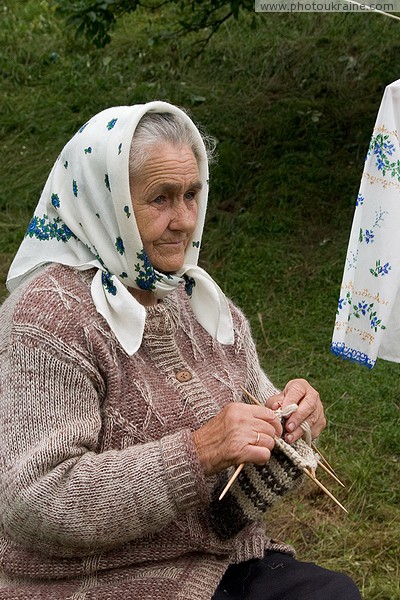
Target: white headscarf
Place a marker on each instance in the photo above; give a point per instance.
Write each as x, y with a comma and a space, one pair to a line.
84, 219
368, 316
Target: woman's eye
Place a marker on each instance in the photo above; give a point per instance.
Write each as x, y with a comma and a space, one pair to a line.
190, 195
159, 200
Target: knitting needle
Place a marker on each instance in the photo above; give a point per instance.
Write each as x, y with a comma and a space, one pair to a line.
324, 464
318, 451
321, 464
324, 489
232, 479
250, 396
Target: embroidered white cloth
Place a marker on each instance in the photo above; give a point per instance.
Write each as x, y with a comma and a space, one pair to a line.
368, 316
84, 219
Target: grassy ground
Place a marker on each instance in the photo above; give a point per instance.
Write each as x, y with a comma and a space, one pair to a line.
292, 104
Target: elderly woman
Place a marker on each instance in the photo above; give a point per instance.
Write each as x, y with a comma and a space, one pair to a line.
121, 409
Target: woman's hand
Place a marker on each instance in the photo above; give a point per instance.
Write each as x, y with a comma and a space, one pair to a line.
239, 433
310, 409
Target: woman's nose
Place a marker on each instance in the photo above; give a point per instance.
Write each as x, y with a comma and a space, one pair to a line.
184, 215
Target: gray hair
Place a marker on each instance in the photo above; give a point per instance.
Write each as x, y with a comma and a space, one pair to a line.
154, 128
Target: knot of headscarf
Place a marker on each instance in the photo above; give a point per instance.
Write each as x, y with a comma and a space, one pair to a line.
84, 219
368, 314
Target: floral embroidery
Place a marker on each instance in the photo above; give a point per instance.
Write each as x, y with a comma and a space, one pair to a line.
360, 200
344, 301
119, 148
351, 259
147, 277
127, 211
107, 182
380, 269
382, 147
196, 244
111, 124
43, 229
106, 279
361, 309
375, 322
366, 314
119, 244
88, 150
189, 284
66, 165
124, 275
55, 200
368, 235
75, 188
97, 215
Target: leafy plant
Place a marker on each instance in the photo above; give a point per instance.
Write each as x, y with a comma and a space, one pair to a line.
96, 18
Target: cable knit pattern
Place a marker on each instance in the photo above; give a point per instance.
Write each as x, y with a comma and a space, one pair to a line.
102, 495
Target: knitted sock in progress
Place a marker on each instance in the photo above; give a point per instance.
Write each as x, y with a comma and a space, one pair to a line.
258, 487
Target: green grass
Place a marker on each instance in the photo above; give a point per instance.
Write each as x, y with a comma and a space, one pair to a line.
292, 104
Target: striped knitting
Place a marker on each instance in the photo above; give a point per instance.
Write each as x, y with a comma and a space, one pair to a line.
259, 487
102, 494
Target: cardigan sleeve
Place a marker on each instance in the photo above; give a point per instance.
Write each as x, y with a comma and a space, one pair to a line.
58, 493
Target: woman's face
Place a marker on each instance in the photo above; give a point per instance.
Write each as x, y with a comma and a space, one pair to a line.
164, 199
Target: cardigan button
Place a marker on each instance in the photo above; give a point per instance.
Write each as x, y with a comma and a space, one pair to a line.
183, 375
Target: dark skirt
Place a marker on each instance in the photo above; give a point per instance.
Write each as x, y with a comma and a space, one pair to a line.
280, 577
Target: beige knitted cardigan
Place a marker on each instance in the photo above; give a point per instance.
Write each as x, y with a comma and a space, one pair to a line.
102, 495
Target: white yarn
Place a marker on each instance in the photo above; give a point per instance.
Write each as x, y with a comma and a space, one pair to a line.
300, 452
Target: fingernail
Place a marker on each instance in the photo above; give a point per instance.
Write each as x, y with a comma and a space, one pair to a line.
289, 438
289, 426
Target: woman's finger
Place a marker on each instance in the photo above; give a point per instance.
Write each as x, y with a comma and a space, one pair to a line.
310, 409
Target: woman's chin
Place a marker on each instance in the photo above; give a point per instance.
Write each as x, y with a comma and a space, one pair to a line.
170, 269
170, 265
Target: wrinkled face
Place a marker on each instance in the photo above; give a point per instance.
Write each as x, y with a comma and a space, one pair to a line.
164, 199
